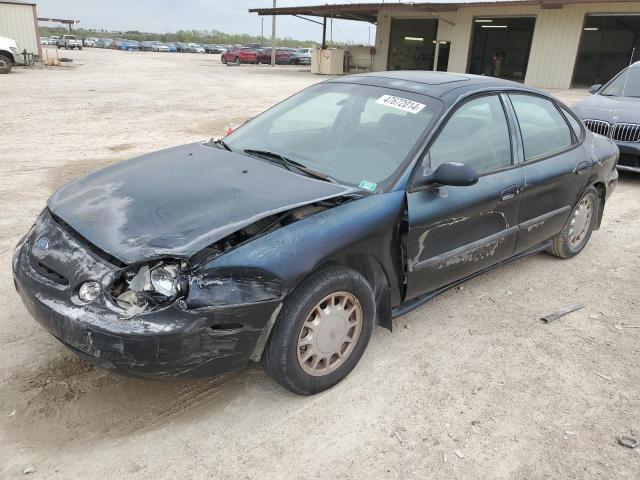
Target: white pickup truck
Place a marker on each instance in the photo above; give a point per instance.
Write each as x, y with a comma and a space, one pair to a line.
69, 42
9, 55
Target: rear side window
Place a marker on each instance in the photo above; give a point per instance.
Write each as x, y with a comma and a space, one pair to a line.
544, 130
576, 125
476, 134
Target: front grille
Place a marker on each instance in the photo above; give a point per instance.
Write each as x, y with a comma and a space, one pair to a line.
626, 132
598, 126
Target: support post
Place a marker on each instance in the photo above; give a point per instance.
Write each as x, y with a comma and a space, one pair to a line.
273, 38
324, 33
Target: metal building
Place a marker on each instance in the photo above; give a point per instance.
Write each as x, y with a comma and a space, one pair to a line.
543, 43
19, 21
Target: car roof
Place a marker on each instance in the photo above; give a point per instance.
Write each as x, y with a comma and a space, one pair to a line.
445, 86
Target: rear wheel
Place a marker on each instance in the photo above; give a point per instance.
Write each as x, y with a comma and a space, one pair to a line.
321, 332
576, 233
5, 64
222, 59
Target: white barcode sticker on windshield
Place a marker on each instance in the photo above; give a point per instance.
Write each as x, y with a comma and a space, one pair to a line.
400, 103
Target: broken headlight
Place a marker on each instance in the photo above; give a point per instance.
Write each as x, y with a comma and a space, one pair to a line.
150, 286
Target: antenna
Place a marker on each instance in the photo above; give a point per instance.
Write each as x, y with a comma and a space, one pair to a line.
628, 71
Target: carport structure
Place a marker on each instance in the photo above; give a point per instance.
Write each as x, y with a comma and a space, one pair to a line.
543, 43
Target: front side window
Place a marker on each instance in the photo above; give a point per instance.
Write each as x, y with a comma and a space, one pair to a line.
353, 133
626, 84
476, 134
543, 128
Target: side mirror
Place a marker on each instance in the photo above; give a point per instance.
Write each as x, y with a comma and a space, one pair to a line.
455, 174
595, 88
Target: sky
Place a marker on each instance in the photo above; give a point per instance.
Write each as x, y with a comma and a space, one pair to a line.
229, 16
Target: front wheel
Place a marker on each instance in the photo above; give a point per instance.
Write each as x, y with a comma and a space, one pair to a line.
576, 232
321, 332
5, 64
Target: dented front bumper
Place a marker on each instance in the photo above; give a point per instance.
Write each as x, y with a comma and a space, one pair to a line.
175, 341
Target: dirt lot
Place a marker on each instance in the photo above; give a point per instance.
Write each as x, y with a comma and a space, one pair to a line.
474, 371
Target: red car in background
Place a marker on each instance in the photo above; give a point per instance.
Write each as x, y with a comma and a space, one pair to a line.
283, 57
240, 55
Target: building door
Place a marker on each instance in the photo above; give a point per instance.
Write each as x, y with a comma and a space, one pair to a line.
412, 44
500, 47
442, 56
606, 47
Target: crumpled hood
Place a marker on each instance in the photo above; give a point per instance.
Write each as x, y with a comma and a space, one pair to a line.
178, 201
609, 109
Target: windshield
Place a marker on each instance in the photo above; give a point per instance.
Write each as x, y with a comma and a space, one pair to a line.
626, 84
357, 134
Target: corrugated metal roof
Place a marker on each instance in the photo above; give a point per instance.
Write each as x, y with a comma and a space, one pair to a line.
369, 11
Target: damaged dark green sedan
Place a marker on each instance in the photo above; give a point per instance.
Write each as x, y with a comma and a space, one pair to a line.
346, 205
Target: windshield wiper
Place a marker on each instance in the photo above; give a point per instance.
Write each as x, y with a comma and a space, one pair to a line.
290, 164
223, 144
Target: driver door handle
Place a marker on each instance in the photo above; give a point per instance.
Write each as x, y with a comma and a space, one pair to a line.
510, 192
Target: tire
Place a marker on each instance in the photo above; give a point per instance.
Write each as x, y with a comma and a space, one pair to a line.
5, 64
568, 243
79, 48
222, 59
282, 355
237, 61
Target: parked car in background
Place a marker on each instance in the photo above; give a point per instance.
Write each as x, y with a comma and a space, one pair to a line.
172, 47
146, 46
614, 111
88, 42
238, 55
44, 40
194, 48
103, 43
53, 40
301, 56
126, 45
10, 55
69, 42
181, 47
159, 47
282, 56
215, 49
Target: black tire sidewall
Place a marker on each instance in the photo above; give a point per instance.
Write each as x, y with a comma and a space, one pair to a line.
282, 355
7, 69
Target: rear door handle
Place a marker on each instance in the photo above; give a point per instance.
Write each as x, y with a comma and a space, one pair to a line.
581, 168
510, 192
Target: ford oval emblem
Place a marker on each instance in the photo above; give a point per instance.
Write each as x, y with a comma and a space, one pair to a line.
43, 243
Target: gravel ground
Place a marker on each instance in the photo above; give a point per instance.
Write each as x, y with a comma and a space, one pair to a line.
471, 385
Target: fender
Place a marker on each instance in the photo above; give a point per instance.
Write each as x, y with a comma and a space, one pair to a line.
271, 266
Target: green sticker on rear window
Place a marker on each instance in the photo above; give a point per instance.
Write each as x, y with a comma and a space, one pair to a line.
367, 185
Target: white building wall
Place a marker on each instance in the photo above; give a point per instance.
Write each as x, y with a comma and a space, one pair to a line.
19, 22
554, 46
